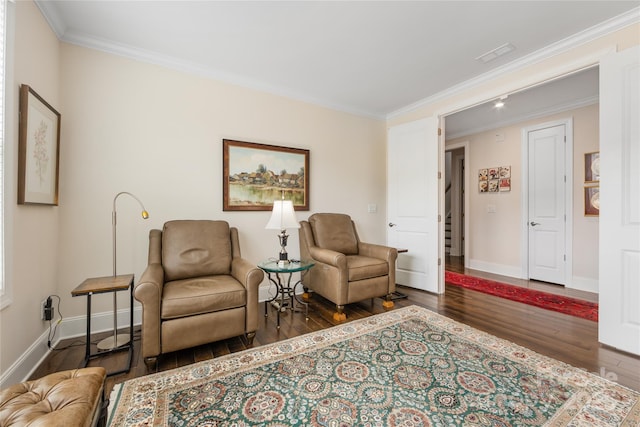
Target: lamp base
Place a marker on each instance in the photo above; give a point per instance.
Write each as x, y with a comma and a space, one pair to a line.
109, 344
283, 263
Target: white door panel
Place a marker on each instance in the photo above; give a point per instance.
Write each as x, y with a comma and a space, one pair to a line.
619, 293
547, 194
412, 181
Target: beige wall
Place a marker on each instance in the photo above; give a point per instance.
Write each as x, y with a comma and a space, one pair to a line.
33, 233
132, 126
495, 238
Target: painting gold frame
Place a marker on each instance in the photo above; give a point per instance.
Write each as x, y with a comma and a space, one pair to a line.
254, 175
38, 150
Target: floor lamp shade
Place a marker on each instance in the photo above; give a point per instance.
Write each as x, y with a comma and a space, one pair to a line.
283, 216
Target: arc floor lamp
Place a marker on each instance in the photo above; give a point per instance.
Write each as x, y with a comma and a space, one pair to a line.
116, 340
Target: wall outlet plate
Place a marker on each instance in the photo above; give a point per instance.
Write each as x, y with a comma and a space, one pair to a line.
46, 313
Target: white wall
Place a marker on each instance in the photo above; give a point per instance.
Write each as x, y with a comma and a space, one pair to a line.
495, 238
132, 126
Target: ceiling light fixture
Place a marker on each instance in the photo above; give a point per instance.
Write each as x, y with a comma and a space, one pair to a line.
500, 102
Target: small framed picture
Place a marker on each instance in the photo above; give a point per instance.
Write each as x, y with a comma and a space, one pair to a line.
592, 167
504, 172
592, 201
494, 173
38, 150
483, 174
494, 185
505, 184
483, 186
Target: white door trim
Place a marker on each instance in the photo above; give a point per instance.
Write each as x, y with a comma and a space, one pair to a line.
465, 146
524, 197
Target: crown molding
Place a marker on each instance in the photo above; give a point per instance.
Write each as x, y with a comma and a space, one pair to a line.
50, 14
573, 105
607, 27
147, 56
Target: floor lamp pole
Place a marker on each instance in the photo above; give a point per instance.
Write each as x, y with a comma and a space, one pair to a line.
116, 340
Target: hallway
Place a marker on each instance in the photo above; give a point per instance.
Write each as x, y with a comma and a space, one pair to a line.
456, 264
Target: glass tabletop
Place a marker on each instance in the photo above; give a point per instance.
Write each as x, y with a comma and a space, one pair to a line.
271, 266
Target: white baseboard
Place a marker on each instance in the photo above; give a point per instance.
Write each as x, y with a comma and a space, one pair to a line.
27, 363
579, 283
72, 327
501, 269
584, 284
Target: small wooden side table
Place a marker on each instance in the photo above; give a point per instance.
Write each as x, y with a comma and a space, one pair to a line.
100, 285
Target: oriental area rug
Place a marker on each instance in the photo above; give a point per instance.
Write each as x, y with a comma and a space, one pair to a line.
562, 304
405, 367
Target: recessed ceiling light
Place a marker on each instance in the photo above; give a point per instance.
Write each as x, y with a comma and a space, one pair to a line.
495, 53
500, 102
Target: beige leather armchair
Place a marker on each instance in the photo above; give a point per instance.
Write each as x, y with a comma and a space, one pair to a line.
196, 288
346, 270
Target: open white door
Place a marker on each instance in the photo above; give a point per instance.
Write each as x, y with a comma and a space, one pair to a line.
619, 283
412, 197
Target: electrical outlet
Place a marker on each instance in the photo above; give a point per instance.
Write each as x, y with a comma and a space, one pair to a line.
47, 309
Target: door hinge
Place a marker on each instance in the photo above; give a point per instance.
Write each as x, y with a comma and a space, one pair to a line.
439, 261
439, 131
439, 218
565, 257
439, 175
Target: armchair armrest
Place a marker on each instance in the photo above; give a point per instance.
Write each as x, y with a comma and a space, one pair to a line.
246, 273
149, 292
327, 256
250, 276
378, 251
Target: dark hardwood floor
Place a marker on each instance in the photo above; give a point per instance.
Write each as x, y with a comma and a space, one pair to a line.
566, 338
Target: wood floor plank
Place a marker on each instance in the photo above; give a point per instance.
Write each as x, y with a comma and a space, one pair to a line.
563, 337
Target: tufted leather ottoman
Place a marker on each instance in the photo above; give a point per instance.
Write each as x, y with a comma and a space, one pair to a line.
67, 398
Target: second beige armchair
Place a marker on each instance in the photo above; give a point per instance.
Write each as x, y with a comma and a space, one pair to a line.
346, 270
196, 289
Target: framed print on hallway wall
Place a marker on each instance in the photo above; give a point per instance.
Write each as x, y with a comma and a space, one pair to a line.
254, 175
38, 150
592, 201
592, 167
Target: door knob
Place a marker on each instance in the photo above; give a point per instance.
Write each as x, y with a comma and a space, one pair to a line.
533, 224
392, 224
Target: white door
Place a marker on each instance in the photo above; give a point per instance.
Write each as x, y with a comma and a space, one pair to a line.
619, 282
547, 194
412, 197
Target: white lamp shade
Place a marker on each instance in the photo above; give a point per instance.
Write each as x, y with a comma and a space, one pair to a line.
283, 216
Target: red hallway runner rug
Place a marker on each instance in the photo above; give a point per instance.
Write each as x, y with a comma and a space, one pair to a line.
567, 305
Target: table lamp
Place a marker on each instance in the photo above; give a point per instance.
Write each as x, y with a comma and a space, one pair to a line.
116, 340
283, 216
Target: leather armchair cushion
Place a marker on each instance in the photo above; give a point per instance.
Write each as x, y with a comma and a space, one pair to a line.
192, 248
335, 232
362, 267
68, 398
190, 297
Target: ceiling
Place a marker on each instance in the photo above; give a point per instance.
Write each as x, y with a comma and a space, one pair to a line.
372, 58
574, 91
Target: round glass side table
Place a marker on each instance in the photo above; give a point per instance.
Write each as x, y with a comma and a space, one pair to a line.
281, 275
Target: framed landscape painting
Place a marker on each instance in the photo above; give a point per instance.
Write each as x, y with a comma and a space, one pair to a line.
38, 150
254, 175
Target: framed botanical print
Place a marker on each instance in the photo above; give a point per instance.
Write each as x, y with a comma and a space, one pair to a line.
38, 150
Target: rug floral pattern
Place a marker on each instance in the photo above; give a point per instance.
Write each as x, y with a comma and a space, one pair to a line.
407, 367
